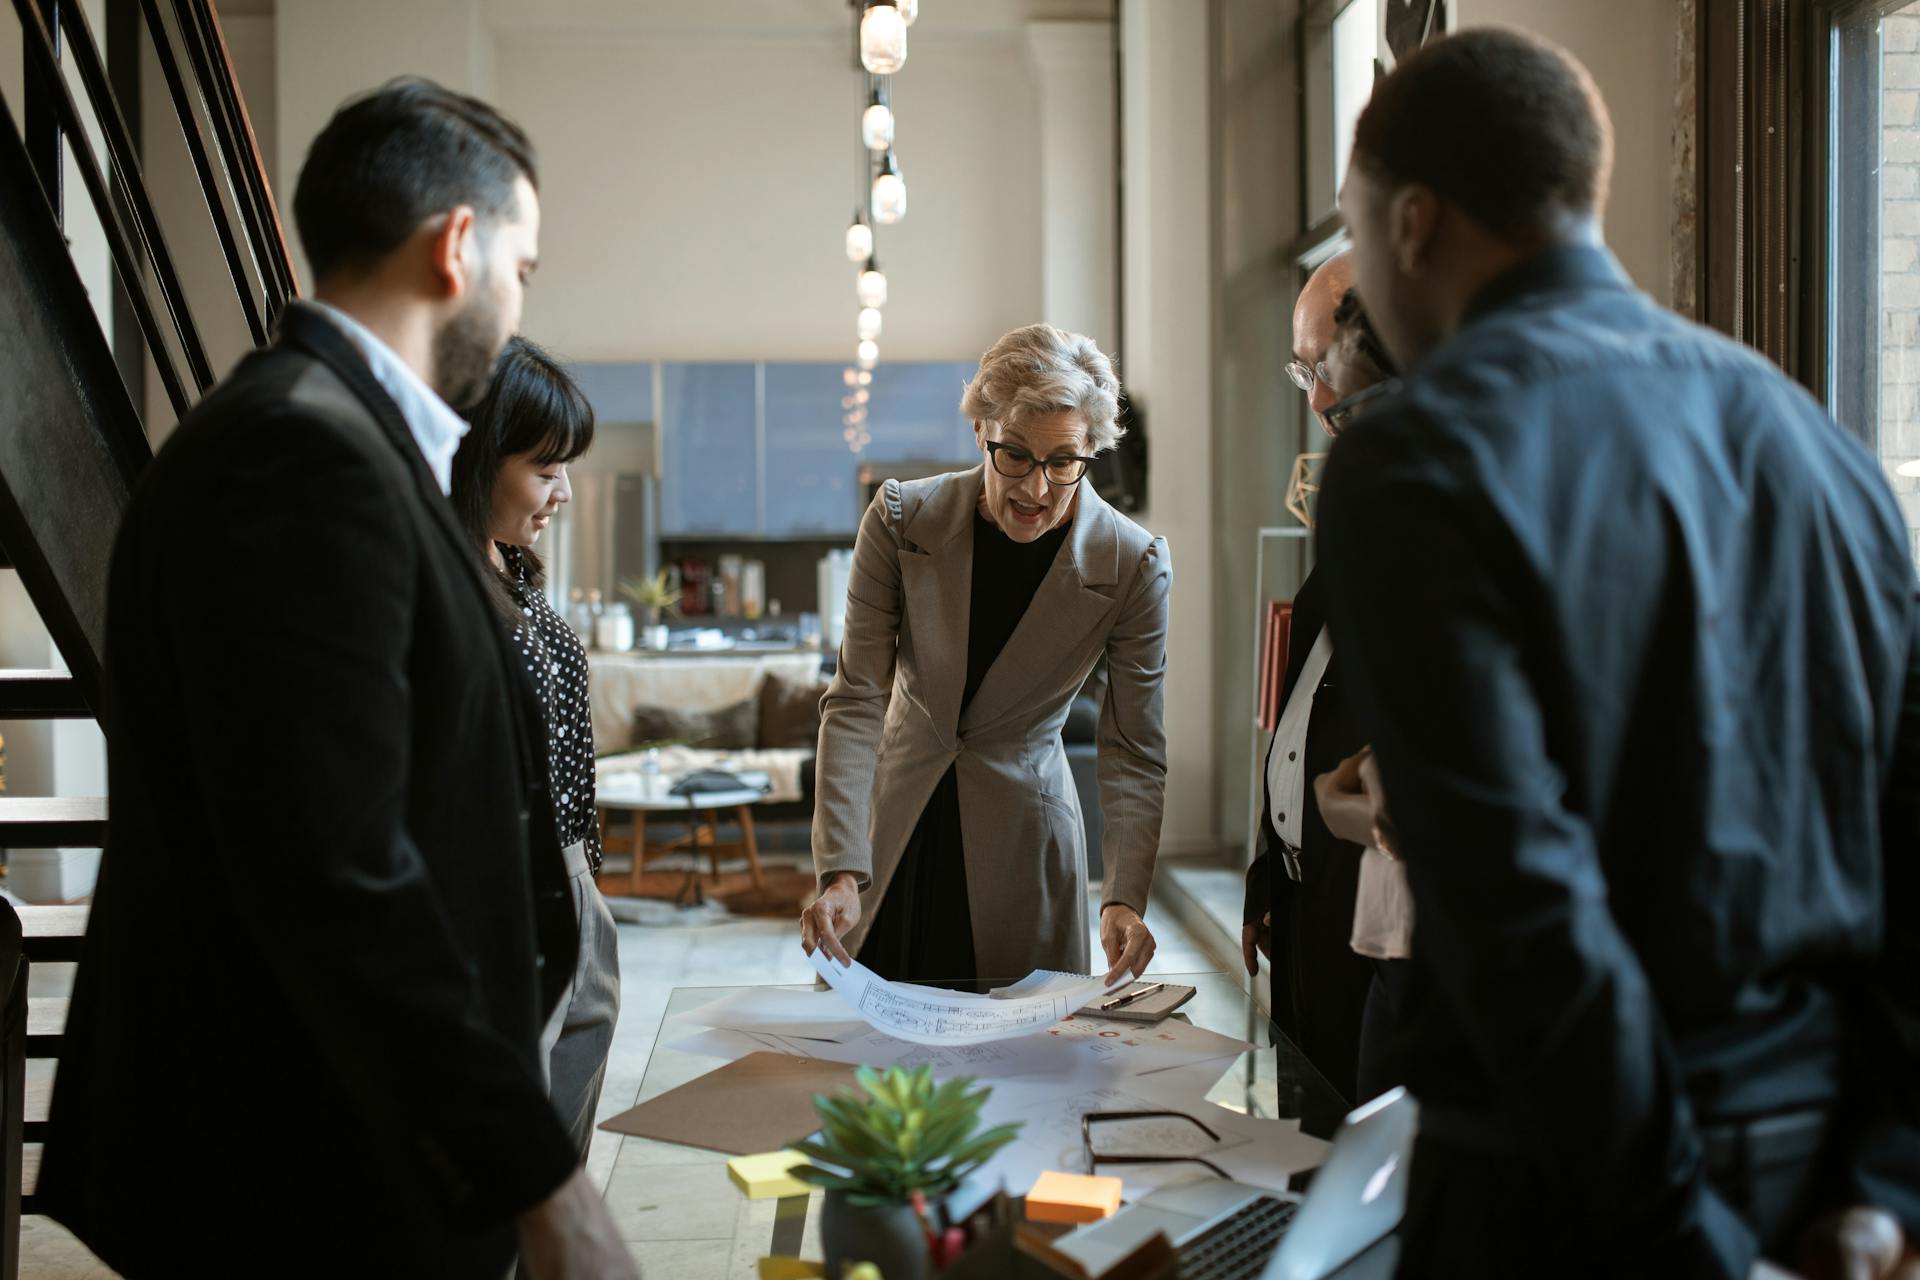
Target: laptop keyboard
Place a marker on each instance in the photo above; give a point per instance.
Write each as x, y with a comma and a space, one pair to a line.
1240, 1247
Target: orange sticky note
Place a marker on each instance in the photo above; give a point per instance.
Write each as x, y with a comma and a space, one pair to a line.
1072, 1197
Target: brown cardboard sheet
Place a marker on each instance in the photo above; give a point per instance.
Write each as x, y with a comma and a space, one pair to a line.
761, 1102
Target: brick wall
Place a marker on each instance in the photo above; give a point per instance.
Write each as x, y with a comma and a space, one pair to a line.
1900, 259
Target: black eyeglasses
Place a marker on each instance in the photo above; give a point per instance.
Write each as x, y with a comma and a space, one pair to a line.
1340, 415
1097, 1158
1015, 463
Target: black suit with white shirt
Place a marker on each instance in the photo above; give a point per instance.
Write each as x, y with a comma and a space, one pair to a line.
303, 1038
1319, 984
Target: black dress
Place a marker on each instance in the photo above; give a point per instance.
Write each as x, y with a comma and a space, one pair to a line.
924, 930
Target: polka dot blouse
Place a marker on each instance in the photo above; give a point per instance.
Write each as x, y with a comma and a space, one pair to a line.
557, 662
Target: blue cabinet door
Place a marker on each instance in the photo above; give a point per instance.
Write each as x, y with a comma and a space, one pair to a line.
811, 472
914, 414
709, 449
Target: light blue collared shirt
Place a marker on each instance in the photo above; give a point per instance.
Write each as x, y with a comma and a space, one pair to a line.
436, 428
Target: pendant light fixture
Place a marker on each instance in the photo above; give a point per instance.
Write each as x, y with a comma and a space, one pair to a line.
869, 325
889, 192
872, 286
883, 37
876, 122
859, 238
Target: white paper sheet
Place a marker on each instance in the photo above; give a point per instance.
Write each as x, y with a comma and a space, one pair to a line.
811, 1015
1041, 982
928, 1015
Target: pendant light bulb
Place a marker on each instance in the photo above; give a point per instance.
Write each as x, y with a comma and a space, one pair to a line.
883, 37
867, 354
859, 239
889, 193
876, 125
869, 325
872, 286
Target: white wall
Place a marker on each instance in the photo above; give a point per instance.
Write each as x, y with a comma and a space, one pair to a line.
696, 180
1628, 45
1168, 366
695, 191
326, 51
1073, 71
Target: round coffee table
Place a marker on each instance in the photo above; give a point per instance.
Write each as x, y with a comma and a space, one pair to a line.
639, 796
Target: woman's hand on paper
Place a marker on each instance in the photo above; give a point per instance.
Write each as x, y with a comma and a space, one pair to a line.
835, 911
1125, 938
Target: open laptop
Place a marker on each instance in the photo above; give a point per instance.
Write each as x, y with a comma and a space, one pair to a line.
1229, 1231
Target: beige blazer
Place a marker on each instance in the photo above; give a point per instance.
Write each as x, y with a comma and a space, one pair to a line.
890, 722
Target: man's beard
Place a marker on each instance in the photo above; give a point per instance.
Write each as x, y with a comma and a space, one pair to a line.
464, 353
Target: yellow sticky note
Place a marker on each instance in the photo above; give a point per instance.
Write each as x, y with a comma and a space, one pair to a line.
790, 1269
766, 1176
1072, 1197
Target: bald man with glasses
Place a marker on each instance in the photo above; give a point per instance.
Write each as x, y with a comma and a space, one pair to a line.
1302, 887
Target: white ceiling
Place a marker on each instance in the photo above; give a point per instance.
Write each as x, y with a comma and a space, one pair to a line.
776, 18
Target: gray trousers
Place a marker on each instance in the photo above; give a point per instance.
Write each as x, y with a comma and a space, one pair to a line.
575, 1041
577, 1037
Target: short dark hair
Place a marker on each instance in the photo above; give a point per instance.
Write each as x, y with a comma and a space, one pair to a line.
1499, 122
1352, 314
393, 158
534, 406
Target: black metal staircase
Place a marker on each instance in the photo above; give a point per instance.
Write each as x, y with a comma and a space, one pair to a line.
73, 438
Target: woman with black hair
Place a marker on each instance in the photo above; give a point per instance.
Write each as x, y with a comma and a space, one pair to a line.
509, 480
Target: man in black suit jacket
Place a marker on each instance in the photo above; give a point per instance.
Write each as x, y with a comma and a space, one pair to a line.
1300, 896
303, 1038
1634, 633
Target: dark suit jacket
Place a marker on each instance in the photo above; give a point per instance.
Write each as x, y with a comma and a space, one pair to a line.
304, 1033
1634, 632
1319, 983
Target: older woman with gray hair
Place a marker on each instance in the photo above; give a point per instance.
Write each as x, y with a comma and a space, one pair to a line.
947, 834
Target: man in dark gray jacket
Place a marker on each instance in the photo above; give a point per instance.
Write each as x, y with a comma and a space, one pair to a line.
1634, 633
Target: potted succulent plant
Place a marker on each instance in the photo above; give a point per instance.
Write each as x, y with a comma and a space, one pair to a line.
655, 597
880, 1157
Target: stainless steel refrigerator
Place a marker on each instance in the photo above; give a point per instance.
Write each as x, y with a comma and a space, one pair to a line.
608, 534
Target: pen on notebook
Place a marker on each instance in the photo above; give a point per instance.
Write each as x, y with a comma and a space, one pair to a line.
1121, 1002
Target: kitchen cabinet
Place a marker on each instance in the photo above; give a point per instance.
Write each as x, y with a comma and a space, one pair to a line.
709, 449
812, 480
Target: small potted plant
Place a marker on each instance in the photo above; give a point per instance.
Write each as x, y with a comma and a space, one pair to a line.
656, 598
881, 1158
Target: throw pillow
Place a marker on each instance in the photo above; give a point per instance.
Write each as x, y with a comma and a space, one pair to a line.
789, 713
730, 728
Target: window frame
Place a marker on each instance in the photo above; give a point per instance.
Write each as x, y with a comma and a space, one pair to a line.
1776, 235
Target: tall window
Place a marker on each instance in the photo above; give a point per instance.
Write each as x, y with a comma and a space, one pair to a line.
1355, 38
1873, 267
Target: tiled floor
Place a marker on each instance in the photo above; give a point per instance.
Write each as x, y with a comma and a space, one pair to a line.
671, 1213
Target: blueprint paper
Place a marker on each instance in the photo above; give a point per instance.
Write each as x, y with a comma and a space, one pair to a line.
928, 1015
1041, 982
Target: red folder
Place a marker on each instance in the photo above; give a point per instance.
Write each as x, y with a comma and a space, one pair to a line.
1273, 665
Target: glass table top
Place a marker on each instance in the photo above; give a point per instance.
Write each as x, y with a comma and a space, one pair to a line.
678, 1206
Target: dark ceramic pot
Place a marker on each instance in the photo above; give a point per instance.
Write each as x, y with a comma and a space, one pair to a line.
889, 1236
